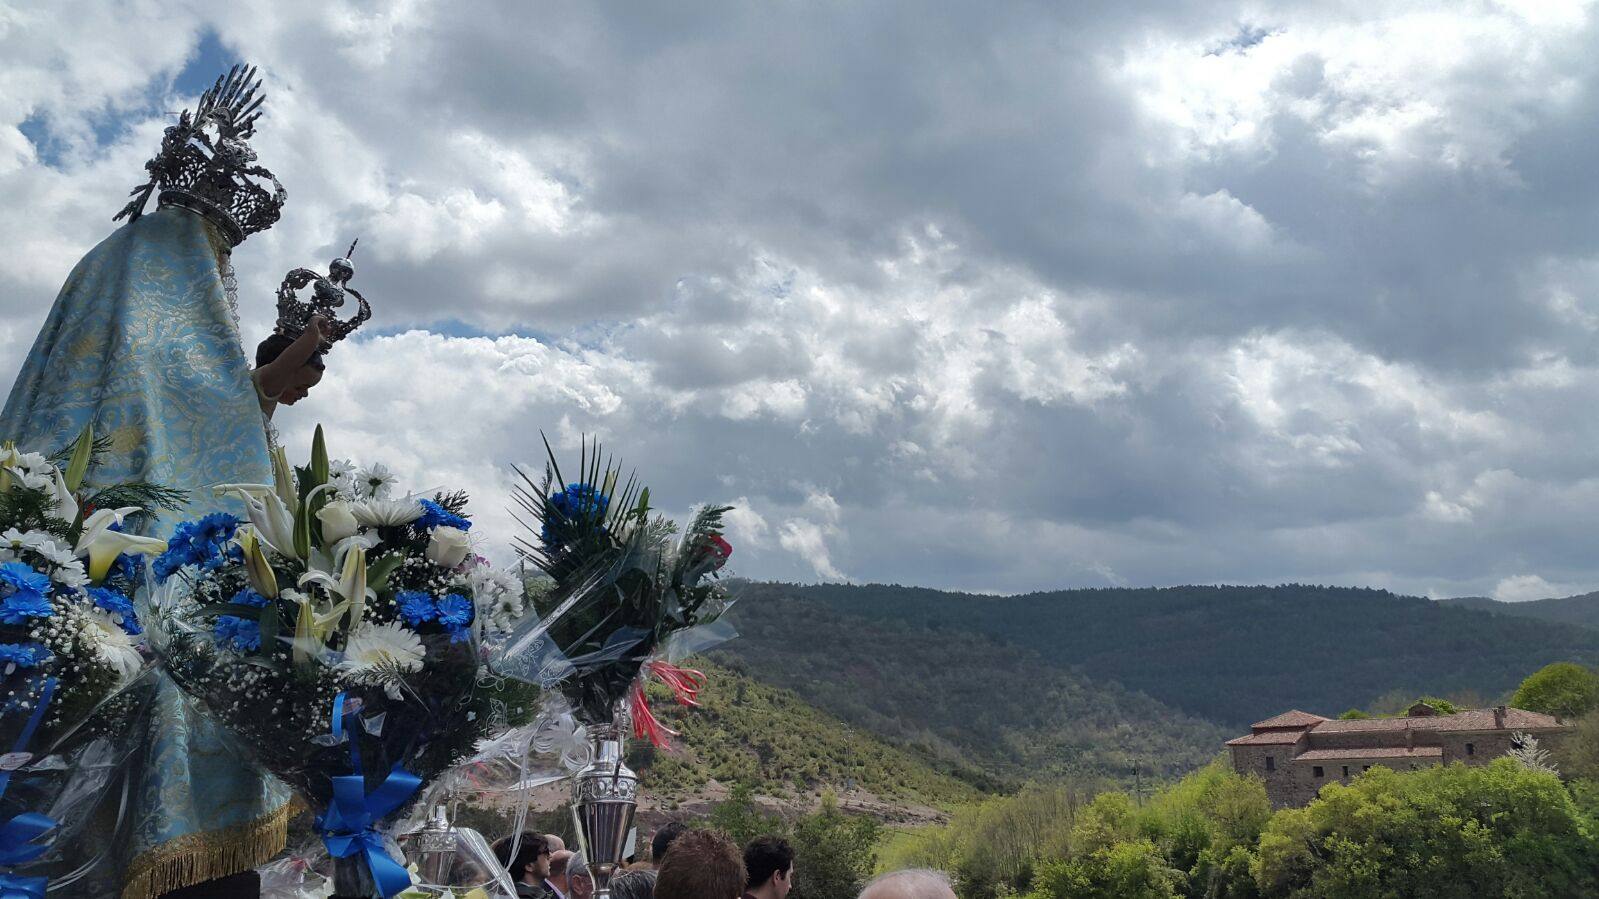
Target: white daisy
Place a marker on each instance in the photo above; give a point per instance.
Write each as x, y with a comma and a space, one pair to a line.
375, 481
70, 574
119, 650
377, 512
377, 653
25, 539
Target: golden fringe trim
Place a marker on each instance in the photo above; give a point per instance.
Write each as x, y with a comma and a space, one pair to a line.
197, 857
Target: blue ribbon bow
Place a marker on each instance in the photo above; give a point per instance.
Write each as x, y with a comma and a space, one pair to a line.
350, 824
14, 887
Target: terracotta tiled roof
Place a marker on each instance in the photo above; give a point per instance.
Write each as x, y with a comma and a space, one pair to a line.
1371, 752
1269, 738
1471, 720
1295, 718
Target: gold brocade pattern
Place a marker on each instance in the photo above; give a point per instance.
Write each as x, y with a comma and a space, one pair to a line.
141, 341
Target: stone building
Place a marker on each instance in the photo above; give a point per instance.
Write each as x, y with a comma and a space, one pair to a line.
1298, 753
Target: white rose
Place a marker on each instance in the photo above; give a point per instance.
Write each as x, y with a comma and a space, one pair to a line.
448, 547
338, 522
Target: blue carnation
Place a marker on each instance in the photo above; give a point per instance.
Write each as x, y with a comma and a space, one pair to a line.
577, 505
22, 605
435, 515
199, 544
24, 655
118, 605
248, 597
416, 607
129, 567
240, 633
21, 578
455, 611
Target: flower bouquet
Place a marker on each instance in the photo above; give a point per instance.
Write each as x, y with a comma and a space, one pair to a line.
622, 590
72, 654
337, 631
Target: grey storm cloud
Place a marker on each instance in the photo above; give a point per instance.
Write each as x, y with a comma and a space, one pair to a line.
998, 296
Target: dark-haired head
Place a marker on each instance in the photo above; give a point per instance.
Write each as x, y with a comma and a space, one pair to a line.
297, 383
769, 861
530, 865
271, 348
662, 841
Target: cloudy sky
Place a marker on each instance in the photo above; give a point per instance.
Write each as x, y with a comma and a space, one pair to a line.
1005, 297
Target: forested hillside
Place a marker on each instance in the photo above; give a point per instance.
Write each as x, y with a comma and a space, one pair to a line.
967, 700
750, 733
964, 669
1580, 610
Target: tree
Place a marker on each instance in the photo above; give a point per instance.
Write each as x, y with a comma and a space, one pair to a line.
1130, 870
834, 852
1496, 830
1563, 689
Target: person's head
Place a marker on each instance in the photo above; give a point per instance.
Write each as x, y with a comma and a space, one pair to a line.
634, 885
663, 838
559, 861
769, 865
917, 883
556, 843
532, 861
303, 379
700, 865
579, 880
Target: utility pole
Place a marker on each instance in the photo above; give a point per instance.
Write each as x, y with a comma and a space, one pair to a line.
1138, 784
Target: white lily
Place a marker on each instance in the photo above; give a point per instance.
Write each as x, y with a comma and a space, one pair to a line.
273, 519
66, 507
349, 560
102, 546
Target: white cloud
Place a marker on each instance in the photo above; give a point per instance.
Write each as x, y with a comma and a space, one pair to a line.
1146, 298
1526, 587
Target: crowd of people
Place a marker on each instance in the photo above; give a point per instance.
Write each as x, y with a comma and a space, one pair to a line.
688, 863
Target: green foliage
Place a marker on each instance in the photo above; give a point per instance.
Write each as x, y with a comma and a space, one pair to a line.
747, 732
1194, 838
1498, 830
996, 844
1228, 654
1577, 755
1564, 689
834, 852
1353, 714
991, 713
1130, 870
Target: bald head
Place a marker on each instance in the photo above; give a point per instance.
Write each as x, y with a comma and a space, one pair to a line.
916, 884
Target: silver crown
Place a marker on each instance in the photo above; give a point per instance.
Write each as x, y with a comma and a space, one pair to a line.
327, 294
216, 179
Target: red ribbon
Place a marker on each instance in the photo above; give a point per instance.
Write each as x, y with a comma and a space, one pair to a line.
685, 684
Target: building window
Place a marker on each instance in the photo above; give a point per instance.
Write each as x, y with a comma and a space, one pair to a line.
1318, 772
1471, 749
1271, 763
1346, 770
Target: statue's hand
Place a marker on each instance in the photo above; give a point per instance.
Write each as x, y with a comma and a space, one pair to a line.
317, 327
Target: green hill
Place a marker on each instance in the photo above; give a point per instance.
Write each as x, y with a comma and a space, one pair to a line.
752, 733
1581, 610
1229, 655
983, 710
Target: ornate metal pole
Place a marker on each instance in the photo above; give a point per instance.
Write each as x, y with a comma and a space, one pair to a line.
604, 800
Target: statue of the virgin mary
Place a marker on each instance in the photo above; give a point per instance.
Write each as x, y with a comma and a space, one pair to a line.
143, 341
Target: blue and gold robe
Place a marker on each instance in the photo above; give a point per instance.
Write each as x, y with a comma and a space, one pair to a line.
141, 341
